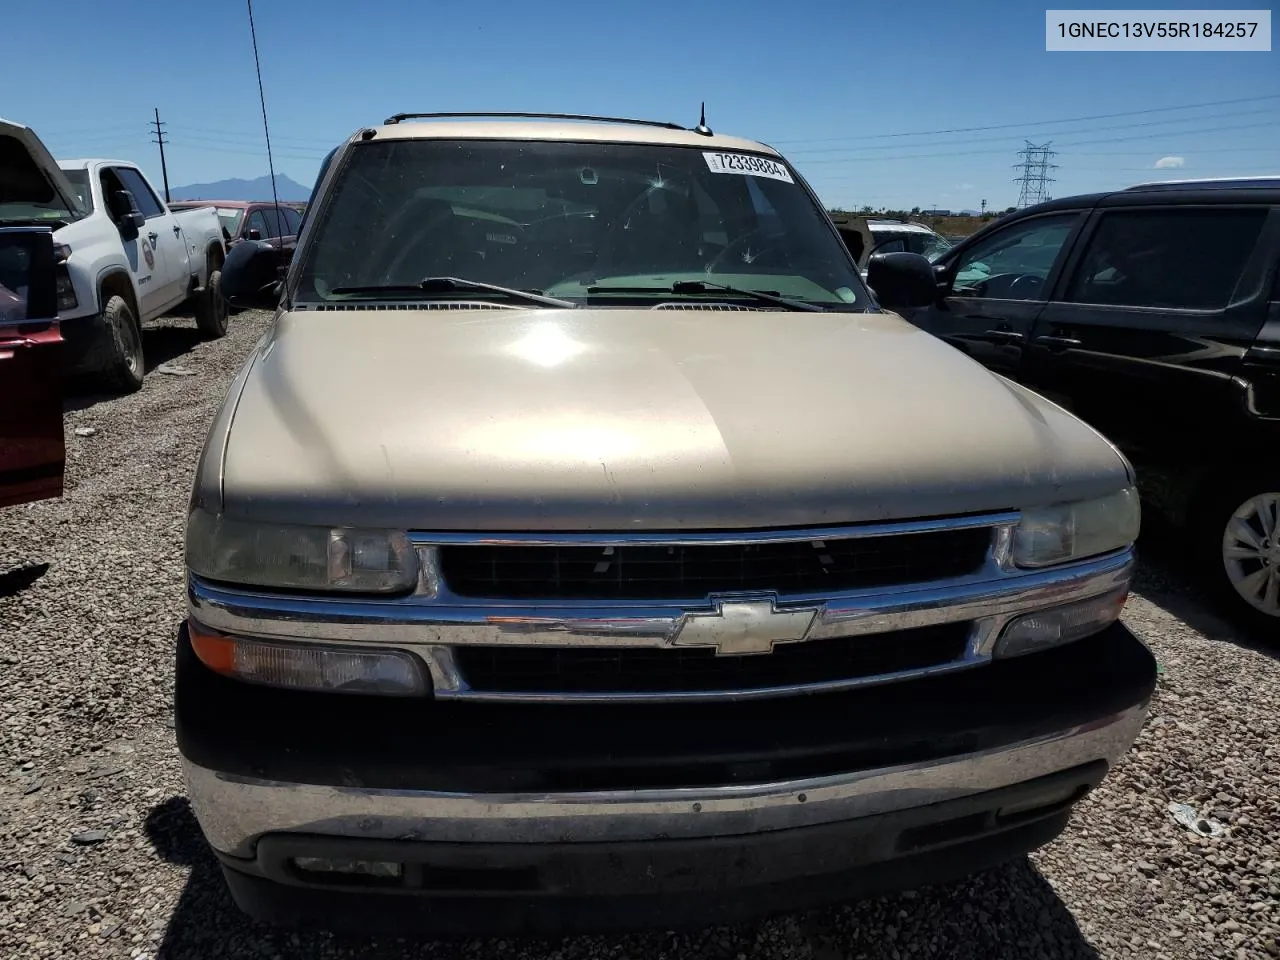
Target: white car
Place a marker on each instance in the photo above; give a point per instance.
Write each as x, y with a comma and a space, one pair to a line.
125, 257
892, 236
865, 236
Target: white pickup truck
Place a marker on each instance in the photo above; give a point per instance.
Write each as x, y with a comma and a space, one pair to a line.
125, 257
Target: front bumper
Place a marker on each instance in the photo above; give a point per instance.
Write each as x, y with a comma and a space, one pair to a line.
817, 798
611, 887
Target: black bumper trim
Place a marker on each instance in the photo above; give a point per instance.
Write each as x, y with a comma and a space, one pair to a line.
395, 743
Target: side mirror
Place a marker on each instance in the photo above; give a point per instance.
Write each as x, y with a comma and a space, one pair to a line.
902, 280
254, 235
252, 275
125, 214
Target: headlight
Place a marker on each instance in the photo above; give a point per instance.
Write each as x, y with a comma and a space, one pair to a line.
1073, 531
299, 557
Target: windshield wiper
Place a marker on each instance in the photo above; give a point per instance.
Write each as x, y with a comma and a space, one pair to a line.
447, 284
706, 286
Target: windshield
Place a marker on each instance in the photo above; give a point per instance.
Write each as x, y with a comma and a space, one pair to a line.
572, 220
26, 193
79, 179
231, 217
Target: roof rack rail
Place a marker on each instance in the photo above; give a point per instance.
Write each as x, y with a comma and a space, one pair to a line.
397, 118
1271, 181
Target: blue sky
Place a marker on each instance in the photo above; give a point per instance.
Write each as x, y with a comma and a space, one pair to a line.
834, 85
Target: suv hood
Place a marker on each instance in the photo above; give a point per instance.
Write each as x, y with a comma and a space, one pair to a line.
28, 171
632, 419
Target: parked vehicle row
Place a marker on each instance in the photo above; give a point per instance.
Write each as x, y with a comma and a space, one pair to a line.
700, 569
251, 220
125, 257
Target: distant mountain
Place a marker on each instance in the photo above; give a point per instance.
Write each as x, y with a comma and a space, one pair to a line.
237, 189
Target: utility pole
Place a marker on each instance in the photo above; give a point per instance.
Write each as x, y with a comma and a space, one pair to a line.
1035, 179
164, 169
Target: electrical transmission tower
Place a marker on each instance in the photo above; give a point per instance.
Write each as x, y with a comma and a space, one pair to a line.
1034, 168
160, 139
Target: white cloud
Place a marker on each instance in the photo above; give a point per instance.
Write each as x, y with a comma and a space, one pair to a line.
1170, 163
965, 186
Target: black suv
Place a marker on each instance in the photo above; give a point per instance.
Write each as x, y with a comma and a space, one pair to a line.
1154, 314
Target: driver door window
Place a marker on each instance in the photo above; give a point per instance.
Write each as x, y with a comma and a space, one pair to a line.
257, 221
1013, 264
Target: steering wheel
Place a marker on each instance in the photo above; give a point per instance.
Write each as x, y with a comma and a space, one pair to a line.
741, 244
1027, 285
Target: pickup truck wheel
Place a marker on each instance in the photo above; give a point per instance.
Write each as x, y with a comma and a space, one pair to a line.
211, 308
121, 359
1237, 526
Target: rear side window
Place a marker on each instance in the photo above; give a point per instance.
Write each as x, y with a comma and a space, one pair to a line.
1189, 258
890, 243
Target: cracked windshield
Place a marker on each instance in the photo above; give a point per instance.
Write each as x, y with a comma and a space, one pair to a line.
598, 224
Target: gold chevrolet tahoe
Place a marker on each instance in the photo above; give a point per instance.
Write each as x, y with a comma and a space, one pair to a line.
587, 546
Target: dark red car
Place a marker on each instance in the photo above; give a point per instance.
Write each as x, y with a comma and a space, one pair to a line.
32, 449
252, 220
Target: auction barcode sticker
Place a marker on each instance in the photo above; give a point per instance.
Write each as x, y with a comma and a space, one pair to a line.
747, 164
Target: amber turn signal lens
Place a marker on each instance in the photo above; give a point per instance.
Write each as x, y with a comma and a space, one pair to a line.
302, 665
217, 652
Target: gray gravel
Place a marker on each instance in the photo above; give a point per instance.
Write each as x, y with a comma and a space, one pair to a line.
99, 855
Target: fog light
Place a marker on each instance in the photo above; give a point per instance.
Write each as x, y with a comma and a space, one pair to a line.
307, 666
360, 868
1058, 625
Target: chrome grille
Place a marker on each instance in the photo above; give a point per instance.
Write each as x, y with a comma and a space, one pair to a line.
639, 670
913, 598
682, 571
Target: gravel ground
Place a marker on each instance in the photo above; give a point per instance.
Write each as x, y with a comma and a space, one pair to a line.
100, 857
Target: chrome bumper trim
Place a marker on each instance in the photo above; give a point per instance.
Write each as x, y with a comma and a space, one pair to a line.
234, 812
411, 621
431, 629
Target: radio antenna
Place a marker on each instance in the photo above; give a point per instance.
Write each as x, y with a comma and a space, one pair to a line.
262, 98
702, 127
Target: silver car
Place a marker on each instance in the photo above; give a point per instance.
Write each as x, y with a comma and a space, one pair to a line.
587, 546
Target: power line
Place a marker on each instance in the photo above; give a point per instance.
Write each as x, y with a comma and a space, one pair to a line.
964, 153
222, 134
164, 167
1268, 111
204, 143
1043, 123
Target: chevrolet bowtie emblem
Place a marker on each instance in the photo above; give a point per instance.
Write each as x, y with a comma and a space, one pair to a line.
740, 627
